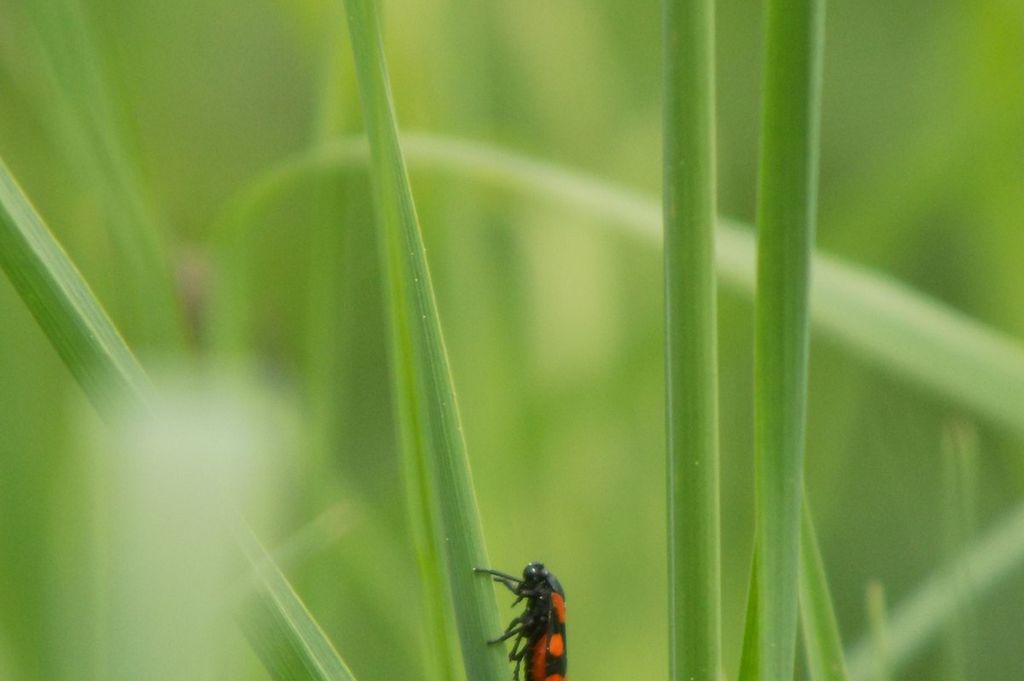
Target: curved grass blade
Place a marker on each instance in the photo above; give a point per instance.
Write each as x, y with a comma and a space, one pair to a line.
426, 407
62, 304
691, 357
280, 629
786, 215
875, 317
822, 643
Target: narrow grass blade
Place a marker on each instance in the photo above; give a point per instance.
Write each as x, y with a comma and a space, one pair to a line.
428, 414
280, 629
750, 654
61, 302
787, 199
691, 365
334, 263
327, 340
913, 336
822, 643
959, 514
879, 628
922, 616
95, 132
98, 358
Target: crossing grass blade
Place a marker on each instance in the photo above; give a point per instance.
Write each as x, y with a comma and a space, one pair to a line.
787, 200
280, 629
871, 315
287, 638
921, 616
939, 600
62, 304
822, 643
691, 358
425, 400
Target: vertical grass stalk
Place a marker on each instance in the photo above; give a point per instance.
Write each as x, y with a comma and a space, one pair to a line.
690, 342
425, 398
337, 257
787, 200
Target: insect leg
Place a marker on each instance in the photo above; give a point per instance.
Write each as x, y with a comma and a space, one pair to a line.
512, 628
497, 573
509, 633
516, 653
508, 581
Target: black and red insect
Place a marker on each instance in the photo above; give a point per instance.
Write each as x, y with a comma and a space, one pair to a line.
540, 631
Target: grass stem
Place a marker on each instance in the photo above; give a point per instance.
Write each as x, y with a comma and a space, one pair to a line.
690, 343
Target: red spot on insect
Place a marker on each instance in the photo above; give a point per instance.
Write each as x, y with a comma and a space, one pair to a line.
559, 603
556, 646
538, 664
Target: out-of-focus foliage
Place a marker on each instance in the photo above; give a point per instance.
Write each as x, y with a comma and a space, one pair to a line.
553, 327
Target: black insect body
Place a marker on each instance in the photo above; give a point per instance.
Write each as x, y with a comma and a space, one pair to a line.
540, 631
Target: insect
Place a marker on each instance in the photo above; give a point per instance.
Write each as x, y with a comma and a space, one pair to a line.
540, 631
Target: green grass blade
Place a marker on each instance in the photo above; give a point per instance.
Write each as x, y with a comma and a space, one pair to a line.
786, 218
326, 340
96, 135
97, 356
879, 627
926, 342
913, 336
959, 514
280, 629
750, 654
334, 258
824, 647
922, 616
691, 365
62, 304
427, 410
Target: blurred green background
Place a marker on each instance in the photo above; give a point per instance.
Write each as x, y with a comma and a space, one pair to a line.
553, 322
